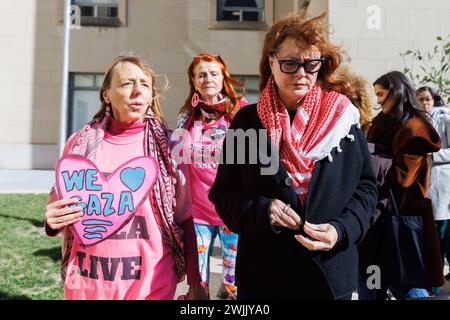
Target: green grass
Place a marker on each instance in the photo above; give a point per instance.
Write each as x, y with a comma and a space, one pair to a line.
29, 260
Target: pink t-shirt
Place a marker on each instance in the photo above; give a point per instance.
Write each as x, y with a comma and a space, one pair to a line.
205, 146
134, 263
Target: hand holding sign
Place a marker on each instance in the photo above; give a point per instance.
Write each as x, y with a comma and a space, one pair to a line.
107, 203
58, 215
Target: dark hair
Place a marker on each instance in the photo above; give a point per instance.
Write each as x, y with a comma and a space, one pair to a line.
307, 32
402, 91
438, 101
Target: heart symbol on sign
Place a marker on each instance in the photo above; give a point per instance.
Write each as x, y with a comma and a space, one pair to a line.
108, 202
132, 178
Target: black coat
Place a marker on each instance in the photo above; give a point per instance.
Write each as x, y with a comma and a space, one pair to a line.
274, 265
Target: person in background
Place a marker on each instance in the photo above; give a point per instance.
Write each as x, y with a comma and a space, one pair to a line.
401, 132
360, 95
439, 191
211, 104
299, 187
431, 103
129, 124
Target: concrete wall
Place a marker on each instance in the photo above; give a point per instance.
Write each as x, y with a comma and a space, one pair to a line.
29, 83
404, 24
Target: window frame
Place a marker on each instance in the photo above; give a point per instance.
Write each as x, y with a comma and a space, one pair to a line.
96, 20
241, 9
72, 89
268, 12
103, 22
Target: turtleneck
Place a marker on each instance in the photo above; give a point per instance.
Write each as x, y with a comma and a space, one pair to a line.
124, 133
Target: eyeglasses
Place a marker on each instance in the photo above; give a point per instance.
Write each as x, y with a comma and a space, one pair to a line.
290, 66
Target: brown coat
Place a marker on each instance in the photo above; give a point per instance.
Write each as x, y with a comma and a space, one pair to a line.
409, 177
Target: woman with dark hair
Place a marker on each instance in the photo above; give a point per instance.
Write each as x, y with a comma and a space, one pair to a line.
151, 252
431, 103
211, 104
429, 98
438, 114
401, 132
286, 186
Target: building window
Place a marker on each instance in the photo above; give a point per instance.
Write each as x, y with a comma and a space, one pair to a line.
99, 12
84, 99
250, 89
240, 10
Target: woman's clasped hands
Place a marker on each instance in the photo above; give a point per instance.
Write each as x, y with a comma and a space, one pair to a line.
315, 237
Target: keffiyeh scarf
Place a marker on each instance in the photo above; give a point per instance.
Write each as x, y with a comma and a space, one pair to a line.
317, 128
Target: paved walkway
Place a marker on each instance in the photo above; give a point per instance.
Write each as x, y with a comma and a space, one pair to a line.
215, 278
26, 181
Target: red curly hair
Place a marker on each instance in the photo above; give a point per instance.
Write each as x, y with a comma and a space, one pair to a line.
228, 90
307, 33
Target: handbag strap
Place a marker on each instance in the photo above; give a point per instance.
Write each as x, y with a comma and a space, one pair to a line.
393, 202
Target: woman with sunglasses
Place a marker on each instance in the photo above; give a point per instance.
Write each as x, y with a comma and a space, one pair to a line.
205, 117
301, 207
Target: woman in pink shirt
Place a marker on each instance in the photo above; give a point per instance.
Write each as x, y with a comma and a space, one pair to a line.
149, 255
205, 118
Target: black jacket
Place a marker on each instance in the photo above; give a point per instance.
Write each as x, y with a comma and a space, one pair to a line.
273, 265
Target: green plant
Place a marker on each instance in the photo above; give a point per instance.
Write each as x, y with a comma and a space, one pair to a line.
434, 67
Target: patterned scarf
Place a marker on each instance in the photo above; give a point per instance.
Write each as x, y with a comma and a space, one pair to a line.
213, 111
210, 112
313, 121
163, 194
219, 107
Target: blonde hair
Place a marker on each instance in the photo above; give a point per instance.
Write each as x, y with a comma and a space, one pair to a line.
359, 95
138, 61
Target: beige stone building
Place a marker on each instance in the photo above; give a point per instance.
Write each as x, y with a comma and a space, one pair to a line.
168, 33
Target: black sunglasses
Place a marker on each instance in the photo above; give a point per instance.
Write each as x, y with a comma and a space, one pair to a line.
290, 66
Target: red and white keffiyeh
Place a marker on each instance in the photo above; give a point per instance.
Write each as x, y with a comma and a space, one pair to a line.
317, 128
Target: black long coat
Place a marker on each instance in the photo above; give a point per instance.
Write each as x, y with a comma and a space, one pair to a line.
274, 265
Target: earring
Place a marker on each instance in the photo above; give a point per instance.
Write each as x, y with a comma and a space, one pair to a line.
194, 100
108, 110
